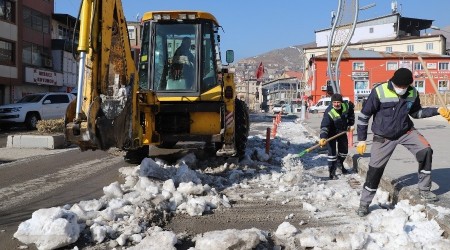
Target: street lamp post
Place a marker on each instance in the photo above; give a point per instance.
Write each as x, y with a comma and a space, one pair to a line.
247, 83
302, 66
248, 90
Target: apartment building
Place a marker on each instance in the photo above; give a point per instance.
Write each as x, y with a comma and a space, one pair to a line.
378, 47
360, 70
26, 64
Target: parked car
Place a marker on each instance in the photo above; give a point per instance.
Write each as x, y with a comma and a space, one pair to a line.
34, 107
279, 108
322, 104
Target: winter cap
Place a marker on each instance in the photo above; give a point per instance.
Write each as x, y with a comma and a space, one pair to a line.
336, 97
402, 77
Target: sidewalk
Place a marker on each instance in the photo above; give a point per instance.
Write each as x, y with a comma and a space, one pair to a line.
400, 175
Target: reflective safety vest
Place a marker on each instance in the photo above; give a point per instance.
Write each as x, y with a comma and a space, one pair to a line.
334, 115
386, 95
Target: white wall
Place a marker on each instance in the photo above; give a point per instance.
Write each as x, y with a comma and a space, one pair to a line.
380, 32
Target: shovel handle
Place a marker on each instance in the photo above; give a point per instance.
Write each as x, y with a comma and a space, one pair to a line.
318, 145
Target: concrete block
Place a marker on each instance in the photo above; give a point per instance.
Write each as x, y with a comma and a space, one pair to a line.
36, 141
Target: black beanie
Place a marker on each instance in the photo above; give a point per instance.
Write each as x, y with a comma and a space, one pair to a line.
336, 97
402, 77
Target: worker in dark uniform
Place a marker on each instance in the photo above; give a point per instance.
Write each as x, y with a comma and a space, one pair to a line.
183, 66
338, 117
391, 104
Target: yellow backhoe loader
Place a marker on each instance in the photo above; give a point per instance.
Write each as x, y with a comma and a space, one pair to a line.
180, 91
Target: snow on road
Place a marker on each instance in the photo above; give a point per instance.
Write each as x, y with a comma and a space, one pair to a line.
128, 214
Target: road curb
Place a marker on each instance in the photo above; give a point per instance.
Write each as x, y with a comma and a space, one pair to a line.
36, 141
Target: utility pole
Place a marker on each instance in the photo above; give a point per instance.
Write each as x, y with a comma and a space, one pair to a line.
248, 90
299, 85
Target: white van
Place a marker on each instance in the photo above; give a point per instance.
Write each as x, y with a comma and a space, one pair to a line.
323, 104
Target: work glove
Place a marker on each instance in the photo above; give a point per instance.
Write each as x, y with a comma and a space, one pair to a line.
444, 113
361, 147
350, 129
322, 142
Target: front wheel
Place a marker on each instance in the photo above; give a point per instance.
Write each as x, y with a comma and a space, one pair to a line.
31, 121
242, 127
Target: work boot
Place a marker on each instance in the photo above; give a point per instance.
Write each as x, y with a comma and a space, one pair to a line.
341, 166
332, 171
427, 196
333, 176
363, 210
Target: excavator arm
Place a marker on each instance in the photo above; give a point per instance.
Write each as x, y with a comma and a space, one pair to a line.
106, 112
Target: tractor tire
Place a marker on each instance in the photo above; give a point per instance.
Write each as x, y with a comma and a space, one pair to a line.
218, 145
31, 121
137, 155
242, 126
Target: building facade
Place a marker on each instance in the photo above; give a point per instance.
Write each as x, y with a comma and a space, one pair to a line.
25, 42
38, 49
65, 33
360, 70
378, 47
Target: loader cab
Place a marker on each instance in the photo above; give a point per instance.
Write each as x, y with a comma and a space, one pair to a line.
179, 53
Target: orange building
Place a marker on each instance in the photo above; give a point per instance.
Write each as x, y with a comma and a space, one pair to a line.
359, 70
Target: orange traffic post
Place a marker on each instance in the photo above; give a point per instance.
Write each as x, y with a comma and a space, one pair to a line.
274, 129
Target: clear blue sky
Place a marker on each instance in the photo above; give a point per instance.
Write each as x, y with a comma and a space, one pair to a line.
253, 27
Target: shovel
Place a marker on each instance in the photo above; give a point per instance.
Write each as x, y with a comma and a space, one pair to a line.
317, 145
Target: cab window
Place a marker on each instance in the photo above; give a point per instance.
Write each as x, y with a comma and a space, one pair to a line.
174, 59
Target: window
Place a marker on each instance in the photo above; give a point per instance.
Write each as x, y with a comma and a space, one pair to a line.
418, 66
410, 48
36, 20
209, 70
429, 46
358, 66
371, 30
443, 85
392, 66
8, 10
389, 49
420, 86
57, 99
131, 32
7, 53
361, 85
443, 66
35, 55
174, 68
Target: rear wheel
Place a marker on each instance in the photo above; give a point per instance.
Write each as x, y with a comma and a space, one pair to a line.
31, 120
136, 156
242, 127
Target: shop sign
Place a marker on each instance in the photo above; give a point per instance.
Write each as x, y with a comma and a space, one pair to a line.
432, 65
360, 74
43, 77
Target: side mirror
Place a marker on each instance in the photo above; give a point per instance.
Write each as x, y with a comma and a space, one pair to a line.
229, 56
47, 102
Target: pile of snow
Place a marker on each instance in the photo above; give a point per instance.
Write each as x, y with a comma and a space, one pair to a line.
155, 189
